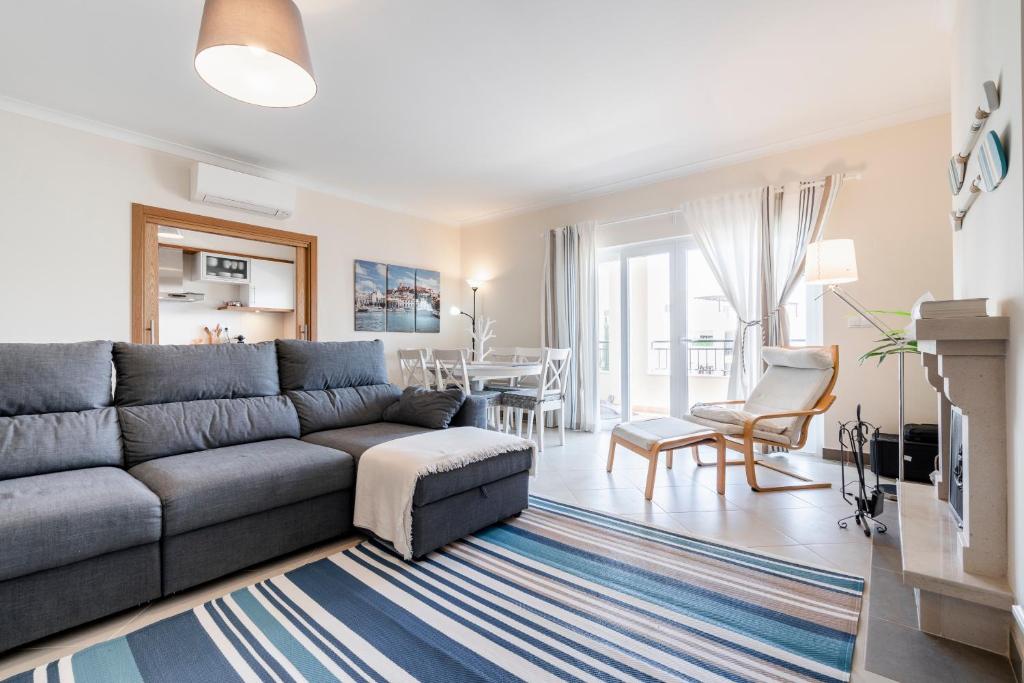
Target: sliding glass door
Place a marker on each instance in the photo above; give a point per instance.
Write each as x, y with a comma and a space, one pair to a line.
666, 331
642, 371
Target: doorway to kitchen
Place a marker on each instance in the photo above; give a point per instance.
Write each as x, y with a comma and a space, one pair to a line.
200, 280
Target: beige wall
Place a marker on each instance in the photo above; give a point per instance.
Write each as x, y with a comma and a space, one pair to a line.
989, 251
65, 229
897, 214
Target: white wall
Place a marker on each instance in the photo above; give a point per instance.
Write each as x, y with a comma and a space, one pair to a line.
65, 235
897, 214
989, 251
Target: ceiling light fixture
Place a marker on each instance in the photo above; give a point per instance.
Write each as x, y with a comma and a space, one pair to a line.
255, 51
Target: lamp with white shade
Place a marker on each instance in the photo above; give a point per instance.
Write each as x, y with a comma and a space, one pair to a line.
832, 263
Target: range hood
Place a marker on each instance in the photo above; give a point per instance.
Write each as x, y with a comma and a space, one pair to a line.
172, 277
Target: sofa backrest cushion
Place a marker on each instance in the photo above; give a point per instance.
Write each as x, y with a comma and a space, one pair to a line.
54, 442
55, 412
345, 407
54, 378
148, 374
156, 431
307, 366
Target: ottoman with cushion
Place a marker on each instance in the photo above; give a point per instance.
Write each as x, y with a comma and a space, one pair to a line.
79, 537
206, 429
654, 436
344, 401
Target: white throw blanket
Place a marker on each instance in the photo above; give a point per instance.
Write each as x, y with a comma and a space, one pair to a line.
388, 472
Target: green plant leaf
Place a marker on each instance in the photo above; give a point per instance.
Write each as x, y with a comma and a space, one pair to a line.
882, 311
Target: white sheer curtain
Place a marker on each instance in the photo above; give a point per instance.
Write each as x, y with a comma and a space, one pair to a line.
784, 239
569, 316
728, 230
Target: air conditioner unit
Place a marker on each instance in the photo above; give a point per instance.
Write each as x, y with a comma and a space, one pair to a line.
216, 185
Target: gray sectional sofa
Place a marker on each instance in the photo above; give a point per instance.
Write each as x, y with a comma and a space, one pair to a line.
202, 460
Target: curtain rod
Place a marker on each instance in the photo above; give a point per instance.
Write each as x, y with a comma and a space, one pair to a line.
669, 212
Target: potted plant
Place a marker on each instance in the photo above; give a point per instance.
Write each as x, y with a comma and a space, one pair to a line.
900, 343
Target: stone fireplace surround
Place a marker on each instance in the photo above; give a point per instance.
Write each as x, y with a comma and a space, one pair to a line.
959, 574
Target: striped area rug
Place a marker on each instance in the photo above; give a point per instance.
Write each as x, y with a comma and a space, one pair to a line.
561, 593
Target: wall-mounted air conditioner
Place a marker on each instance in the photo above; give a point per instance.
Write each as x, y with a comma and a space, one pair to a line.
216, 185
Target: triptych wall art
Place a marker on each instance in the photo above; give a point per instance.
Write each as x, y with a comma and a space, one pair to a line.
396, 298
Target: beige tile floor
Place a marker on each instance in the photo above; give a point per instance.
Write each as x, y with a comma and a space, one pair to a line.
798, 525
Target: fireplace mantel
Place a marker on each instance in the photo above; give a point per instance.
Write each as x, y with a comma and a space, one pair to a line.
960, 577
964, 361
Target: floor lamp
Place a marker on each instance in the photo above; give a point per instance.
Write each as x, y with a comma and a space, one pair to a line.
831, 263
455, 310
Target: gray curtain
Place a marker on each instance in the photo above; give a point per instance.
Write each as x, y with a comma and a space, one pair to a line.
784, 240
569, 316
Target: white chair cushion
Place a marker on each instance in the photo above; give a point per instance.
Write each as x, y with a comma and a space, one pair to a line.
733, 415
808, 358
737, 430
787, 389
645, 433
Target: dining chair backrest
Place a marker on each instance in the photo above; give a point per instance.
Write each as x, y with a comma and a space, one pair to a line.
555, 369
529, 353
413, 364
450, 369
501, 355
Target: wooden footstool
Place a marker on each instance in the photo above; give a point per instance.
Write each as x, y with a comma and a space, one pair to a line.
650, 437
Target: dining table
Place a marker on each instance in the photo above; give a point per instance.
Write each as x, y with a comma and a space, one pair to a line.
480, 371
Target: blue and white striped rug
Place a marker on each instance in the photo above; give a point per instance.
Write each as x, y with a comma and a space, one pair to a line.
560, 593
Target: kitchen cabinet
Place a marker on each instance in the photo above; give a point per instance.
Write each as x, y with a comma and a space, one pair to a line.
211, 267
271, 285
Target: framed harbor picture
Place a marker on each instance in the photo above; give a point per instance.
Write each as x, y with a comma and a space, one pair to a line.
428, 300
401, 299
370, 295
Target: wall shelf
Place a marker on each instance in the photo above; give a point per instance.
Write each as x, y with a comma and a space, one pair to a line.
255, 309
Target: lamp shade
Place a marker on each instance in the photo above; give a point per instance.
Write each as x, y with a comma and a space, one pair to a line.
455, 310
255, 51
831, 262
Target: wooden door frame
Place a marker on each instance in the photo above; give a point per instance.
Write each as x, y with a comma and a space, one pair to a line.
145, 265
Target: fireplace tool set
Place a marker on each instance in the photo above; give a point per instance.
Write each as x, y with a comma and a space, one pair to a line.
868, 500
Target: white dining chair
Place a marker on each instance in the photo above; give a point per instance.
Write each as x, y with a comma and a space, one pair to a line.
413, 364
501, 355
451, 371
546, 397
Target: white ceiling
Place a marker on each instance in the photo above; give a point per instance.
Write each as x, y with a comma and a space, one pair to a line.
462, 109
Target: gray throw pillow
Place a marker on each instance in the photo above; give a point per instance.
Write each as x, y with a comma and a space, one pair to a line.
425, 408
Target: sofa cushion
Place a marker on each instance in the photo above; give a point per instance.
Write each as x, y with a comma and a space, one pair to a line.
344, 407
355, 440
221, 484
39, 444
54, 378
171, 428
52, 520
305, 365
148, 374
425, 408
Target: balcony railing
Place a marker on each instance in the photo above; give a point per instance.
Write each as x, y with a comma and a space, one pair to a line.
705, 357
709, 357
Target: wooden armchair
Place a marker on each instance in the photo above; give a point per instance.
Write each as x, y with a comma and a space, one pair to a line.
810, 373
